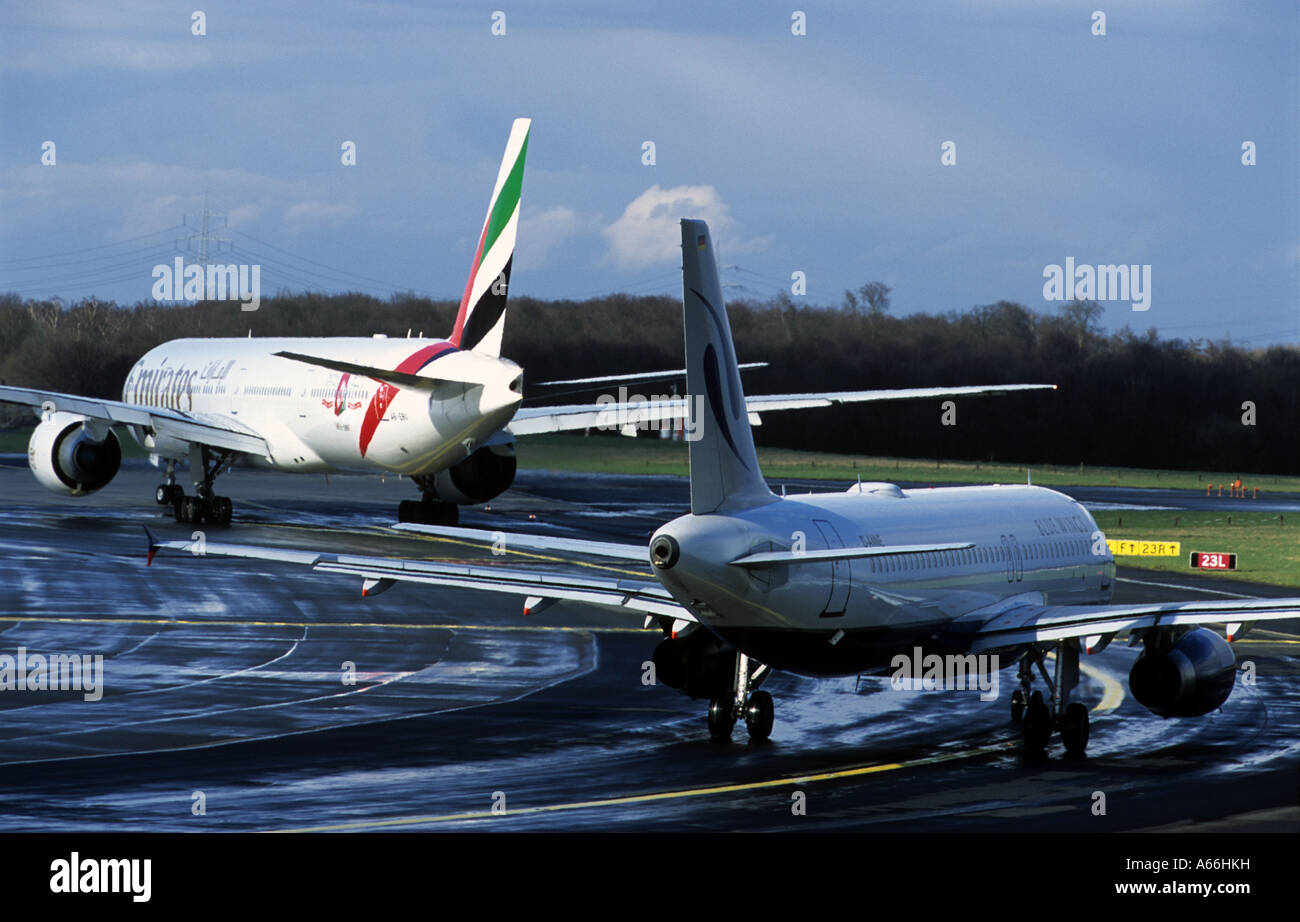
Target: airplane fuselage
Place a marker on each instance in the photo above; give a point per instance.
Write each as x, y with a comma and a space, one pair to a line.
316, 419
848, 616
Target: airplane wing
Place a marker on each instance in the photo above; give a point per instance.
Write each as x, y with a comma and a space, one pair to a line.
514, 539
641, 376
211, 429
1018, 621
537, 420
541, 586
1028, 622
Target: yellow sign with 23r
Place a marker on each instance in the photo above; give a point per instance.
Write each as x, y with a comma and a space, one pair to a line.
1124, 547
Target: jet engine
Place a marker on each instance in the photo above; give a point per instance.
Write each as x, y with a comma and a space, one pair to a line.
1189, 677
486, 473
697, 664
72, 455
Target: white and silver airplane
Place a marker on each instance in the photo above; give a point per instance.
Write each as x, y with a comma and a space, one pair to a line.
432, 410
843, 583
445, 413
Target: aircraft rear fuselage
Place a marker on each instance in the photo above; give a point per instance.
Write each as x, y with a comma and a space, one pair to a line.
853, 615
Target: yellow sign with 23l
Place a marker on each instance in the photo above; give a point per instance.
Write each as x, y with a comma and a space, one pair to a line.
1125, 547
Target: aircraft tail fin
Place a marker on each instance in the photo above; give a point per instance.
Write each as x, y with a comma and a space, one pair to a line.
481, 319
724, 465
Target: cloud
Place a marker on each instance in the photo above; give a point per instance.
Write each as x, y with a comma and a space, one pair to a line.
541, 233
243, 215
305, 215
648, 231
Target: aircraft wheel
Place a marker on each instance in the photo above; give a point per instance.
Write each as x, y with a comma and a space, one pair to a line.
428, 512
1038, 724
223, 510
162, 495
722, 717
440, 513
1074, 729
408, 510
1017, 705
759, 715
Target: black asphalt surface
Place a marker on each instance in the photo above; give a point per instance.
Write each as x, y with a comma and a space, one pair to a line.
224, 686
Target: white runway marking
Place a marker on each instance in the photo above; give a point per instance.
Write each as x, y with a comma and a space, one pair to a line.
1181, 588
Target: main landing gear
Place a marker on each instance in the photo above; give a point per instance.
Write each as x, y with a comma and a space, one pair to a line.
205, 506
742, 701
428, 510
1038, 717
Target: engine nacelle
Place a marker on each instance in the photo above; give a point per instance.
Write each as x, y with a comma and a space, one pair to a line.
697, 664
72, 455
1190, 678
486, 473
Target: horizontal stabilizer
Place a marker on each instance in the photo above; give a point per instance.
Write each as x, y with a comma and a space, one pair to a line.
767, 558
386, 375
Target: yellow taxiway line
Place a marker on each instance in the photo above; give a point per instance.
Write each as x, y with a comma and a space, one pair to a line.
1112, 696
856, 772
1112, 691
199, 622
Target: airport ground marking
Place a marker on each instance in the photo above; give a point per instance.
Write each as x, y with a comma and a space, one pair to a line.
741, 787
1112, 697
1185, 588
224, 622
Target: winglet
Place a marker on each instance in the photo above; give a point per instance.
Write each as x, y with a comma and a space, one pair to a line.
153, 546
724, 465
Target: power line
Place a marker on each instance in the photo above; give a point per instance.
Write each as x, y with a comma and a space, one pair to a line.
335, 269
23, 259
94, 259
140, 267
313, 275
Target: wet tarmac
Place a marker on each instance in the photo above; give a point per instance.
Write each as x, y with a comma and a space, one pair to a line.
226, 687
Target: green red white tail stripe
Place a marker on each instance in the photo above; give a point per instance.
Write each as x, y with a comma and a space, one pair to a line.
482, 317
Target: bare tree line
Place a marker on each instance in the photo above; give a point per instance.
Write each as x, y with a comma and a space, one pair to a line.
1125, 398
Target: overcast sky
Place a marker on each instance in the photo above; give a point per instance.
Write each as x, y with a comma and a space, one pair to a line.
818, 153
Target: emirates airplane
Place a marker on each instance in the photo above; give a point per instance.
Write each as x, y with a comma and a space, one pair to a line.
845, 583
445, 413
